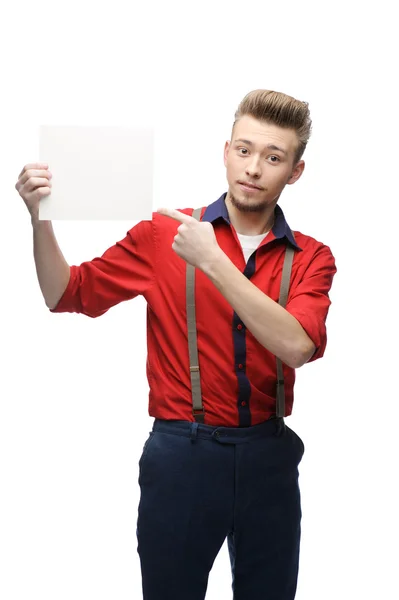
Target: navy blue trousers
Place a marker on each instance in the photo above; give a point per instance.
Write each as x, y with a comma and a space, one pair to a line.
201, 484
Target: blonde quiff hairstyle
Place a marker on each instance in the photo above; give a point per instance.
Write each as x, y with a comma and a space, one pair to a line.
281, 110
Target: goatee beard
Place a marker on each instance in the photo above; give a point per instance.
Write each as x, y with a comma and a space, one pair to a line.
246, 208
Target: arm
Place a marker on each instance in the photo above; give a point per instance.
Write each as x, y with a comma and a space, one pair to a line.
282, 331
34, 183
52, 270
125, 270
295, 334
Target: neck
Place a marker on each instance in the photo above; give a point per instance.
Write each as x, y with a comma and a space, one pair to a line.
250, 223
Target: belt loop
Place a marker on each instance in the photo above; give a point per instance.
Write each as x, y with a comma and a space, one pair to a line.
194, 431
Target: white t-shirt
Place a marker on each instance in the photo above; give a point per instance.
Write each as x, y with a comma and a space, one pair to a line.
249, 243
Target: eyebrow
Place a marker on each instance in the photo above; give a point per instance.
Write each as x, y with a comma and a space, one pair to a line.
268, 146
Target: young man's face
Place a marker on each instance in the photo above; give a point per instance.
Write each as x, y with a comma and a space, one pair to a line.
263, 155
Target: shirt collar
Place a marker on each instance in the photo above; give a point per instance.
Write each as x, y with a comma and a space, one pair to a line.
280, 228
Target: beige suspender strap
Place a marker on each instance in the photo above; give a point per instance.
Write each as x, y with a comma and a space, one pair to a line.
285, 284
198, 409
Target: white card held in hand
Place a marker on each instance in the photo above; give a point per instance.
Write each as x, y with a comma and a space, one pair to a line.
98, 173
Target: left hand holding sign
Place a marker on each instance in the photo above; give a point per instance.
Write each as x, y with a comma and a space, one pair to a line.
195, 241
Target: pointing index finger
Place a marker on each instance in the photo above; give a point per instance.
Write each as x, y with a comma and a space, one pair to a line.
174, 214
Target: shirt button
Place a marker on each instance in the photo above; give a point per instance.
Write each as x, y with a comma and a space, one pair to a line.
239, 327
243, 403
240, 366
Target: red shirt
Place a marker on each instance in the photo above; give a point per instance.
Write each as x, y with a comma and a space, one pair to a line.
238, 375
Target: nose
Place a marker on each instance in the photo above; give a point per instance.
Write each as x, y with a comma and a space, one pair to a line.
253, 169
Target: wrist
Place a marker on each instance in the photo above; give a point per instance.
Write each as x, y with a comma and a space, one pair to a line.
37, 223
211, 265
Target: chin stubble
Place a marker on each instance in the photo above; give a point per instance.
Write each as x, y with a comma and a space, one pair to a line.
246, 208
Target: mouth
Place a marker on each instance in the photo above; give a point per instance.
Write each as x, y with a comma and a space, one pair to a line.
249, 187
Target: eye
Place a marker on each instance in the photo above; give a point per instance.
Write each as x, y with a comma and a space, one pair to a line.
243, 151
276, 159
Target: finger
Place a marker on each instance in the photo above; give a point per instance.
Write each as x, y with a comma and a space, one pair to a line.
30, 183
175, 214
31, 173
33, 166
41, 192
34, 183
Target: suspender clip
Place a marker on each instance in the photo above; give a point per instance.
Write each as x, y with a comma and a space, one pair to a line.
199, 415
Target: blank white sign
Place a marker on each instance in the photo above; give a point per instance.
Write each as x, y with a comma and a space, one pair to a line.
98, 172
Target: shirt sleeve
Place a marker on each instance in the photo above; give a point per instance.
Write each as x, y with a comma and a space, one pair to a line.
309, 301
124, 271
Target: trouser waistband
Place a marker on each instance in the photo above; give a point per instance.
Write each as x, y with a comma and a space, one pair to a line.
227, 435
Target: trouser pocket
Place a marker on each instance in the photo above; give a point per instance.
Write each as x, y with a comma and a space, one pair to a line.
297, 440
146, 448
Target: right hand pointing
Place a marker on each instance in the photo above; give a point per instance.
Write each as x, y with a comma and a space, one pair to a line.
32, 185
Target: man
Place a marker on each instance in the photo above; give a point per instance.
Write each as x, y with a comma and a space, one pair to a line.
222, 353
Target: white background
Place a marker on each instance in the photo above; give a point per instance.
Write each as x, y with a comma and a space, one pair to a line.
73, 392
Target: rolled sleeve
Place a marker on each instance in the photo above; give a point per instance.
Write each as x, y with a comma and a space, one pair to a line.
309, 300
123, 272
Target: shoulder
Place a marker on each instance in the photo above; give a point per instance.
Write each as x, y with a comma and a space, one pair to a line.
159, 228
313, 250
159, 221
309, 244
